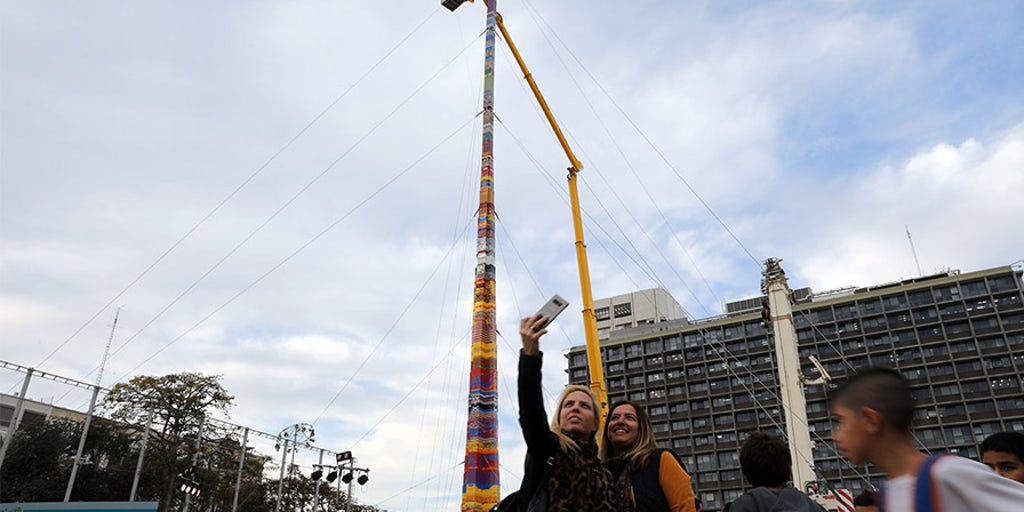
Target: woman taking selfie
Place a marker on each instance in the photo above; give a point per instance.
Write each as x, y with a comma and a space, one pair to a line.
563, 472
655, 478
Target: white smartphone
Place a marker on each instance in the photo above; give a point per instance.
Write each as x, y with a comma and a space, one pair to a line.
553, 308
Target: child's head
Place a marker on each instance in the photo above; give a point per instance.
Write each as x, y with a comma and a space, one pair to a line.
865, 502
1004, 453
765, 460
875, 402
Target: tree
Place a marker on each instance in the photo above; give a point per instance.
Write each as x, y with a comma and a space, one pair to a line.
179, 403
39, 461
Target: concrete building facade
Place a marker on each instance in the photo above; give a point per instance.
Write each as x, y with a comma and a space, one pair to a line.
959, 339
639, 308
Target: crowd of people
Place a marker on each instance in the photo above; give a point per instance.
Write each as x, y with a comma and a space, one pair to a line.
568, 469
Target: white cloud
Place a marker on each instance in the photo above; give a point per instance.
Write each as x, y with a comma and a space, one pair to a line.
816, 132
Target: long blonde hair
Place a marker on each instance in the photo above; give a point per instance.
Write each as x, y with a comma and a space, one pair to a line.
564, 440
645, 444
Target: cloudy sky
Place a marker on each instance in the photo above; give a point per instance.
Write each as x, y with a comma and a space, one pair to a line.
283, 193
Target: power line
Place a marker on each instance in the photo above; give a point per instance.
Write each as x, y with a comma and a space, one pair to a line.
238, 188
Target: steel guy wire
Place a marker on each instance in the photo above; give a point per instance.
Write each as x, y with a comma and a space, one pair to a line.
237, 189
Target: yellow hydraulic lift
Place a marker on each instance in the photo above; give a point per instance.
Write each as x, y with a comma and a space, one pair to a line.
597, 384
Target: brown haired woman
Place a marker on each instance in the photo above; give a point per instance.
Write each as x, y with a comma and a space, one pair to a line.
656, 479
563, 471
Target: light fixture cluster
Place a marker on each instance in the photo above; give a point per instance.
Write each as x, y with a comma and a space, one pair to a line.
189, 485
350, 474
361, 475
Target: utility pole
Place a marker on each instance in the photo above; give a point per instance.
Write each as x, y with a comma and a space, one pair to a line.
142, 454
16, 418
241, 466
81, 445
195, 457
794, 404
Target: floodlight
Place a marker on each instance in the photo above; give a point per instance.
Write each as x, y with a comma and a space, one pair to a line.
453, 4
317, 474
346, 478
332, 476
343, 456
363, 478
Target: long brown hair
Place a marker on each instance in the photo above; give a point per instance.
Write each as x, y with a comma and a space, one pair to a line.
640, 452
566, 441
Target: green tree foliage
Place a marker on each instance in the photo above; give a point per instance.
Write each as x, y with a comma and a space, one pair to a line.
178, 402
38, 463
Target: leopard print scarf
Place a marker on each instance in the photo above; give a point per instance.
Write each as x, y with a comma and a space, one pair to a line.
581, 483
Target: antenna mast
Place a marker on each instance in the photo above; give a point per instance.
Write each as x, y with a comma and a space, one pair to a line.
106, 351
912, 250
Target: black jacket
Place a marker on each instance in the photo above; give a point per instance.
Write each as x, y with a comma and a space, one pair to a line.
763, 499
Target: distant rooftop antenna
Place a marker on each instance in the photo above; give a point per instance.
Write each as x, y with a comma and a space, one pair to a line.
106, 351
913, 251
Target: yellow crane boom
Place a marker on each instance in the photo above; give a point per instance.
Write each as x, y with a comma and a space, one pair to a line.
597, 384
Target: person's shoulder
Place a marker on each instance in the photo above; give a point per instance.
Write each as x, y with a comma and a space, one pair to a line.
954, 467
746, 502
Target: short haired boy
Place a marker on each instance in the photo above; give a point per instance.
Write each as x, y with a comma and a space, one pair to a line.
873, 411
767, 465
1004, 453
865, 502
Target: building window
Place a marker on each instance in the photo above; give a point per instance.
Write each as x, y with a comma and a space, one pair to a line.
920, 298
623, 310
601, 313
673, 343
973, 288
1002, 283
891, 302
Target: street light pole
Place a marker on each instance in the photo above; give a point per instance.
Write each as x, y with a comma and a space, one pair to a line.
241, 466
299, 434
280, 481
316, 483
81, 445
195, 458
142, 454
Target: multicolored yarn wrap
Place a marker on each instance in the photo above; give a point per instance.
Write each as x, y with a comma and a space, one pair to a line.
480, 483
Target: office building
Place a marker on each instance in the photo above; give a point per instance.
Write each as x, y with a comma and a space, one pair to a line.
641, 308
959, 338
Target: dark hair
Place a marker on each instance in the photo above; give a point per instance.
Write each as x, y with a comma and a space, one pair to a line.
1007, 442
881, 389
865, 499
639, 454
765, 460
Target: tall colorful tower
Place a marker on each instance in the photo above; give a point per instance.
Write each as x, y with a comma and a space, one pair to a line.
480, 484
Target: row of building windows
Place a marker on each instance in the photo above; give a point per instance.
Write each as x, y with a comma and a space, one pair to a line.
976, 328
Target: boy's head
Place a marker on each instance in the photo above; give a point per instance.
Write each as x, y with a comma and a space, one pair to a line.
1004, 453
765, 460
865, 502
872, 403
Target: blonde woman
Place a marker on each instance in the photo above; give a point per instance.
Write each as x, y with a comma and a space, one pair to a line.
563, 472
654, 478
